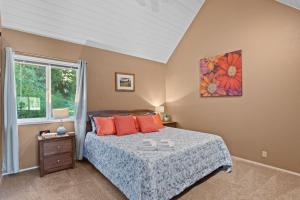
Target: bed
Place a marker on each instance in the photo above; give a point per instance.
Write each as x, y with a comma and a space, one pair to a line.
153, 175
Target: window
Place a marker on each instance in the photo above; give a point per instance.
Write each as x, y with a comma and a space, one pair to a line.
43, 85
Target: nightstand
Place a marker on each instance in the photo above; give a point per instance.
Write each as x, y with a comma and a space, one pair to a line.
56, 153
170, 124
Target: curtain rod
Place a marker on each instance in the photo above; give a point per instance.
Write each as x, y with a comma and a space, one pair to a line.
45, 57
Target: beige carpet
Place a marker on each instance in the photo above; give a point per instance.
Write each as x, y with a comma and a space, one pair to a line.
247, 181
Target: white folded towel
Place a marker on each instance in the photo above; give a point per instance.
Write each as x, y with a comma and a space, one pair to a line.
166, 145
144, 148
152, 145
149, 142
165, 142
148, 145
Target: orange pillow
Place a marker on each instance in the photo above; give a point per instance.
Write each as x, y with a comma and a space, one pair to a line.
158, 121
147, 123
105, 126
125, 125
137, 126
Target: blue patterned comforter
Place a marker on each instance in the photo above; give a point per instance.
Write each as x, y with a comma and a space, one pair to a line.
151, 175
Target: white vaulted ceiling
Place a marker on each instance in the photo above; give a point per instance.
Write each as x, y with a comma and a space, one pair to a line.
292, 3
149, 29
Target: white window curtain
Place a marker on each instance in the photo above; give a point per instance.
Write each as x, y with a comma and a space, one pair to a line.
81, 109
10, 135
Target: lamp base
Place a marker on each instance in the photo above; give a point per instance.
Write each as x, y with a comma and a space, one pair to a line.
61, 130
166, 117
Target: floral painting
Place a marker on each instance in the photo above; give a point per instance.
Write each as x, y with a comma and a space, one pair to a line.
221, 75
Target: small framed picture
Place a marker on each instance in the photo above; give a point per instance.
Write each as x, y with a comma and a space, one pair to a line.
124, 82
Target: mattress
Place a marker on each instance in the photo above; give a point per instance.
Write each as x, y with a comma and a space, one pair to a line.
145, 175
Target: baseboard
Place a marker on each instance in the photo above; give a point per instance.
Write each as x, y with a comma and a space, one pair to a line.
22, 170
268, 166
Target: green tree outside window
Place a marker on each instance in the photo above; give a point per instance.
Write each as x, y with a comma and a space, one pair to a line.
31, 89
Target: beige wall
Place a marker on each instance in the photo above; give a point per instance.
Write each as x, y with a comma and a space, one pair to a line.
267, 116
28, 142
102, 65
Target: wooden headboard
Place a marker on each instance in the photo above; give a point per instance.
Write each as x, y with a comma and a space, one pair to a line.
109, 113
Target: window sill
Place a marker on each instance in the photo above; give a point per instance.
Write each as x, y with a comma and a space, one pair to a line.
44, 121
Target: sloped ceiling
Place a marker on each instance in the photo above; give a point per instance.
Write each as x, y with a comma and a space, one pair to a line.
149, 29
292, 3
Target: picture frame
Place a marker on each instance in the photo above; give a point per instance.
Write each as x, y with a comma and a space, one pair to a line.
124, 82
221, 75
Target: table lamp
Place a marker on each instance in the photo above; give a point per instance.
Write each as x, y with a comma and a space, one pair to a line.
161, 111
61, 113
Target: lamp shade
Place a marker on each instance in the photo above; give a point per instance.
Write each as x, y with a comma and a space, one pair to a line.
60, 113
160, 109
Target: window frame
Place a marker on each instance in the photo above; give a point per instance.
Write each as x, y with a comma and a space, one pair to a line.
48, 64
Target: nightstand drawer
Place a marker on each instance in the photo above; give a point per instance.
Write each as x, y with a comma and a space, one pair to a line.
170, 124
60, 146
57, 161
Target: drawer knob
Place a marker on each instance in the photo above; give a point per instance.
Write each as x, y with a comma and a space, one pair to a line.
58, 147
58, 161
